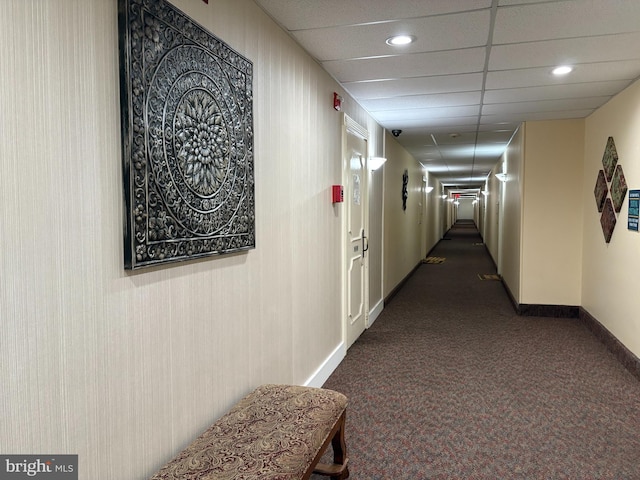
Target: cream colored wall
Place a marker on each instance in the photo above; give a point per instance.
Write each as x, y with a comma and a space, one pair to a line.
375, 235
610, 271
503, 218
492, 205
466, 209
553, 203
433, 212
125, 368
402, 228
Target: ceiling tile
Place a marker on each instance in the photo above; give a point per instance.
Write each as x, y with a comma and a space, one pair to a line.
424, 114
502, 3
492, 137
502, 136
442, 124
470, 60
315, 14
417, 142
362, 41
455, 138
422, 134
457, 152
544, 21
423, 101
591, 72
536, 116
573, 51
415, 86
544, 106
554, 92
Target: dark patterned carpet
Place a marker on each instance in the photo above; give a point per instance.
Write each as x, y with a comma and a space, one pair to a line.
449, 383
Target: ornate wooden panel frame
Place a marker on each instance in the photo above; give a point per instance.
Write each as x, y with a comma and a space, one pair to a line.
187, 138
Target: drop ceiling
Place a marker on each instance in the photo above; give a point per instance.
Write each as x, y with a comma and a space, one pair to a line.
477, 68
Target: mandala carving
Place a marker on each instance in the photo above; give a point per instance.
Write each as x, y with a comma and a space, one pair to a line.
187, 128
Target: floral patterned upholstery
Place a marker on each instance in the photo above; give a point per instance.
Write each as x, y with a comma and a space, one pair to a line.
274, 433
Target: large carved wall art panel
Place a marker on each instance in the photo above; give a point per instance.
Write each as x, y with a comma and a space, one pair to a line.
187, 133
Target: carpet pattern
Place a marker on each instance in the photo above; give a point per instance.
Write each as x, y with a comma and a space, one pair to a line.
449, 383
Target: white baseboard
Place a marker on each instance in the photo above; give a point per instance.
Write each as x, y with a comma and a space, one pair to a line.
375, 312
328, 366
333, 360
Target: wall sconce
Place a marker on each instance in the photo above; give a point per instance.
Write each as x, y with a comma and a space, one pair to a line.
376, 162
428, 189
501, 176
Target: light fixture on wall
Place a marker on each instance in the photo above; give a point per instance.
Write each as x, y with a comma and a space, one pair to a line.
428, 189
376, 162
485, 192
501, 176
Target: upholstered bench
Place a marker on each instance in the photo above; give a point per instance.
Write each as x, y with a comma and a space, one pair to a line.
277, 432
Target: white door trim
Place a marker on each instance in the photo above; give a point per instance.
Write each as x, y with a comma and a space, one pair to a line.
350, 126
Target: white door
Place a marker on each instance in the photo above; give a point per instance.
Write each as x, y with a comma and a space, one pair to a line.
356, 211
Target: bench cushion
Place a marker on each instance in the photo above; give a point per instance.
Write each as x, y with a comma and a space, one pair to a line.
273, 433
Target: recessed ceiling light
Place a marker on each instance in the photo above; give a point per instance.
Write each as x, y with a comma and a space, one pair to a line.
562, 70
400, 40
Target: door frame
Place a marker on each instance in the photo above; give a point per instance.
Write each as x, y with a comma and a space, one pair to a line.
351, 127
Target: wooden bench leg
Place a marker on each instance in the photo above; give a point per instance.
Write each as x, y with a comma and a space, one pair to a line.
339, 469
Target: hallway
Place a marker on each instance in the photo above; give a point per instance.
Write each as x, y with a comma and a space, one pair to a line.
449, 383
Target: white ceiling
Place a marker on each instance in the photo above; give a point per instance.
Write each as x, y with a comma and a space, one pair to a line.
477, 69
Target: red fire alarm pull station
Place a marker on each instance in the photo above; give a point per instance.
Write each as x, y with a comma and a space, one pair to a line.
337, 194
337, 101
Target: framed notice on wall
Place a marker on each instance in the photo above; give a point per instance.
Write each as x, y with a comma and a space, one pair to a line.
634, 210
